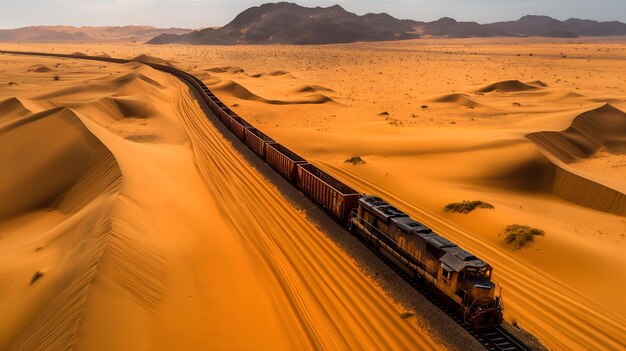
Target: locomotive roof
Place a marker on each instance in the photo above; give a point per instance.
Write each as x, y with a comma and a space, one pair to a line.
388, 211
409, 225
439, 242
370, 201
458, 259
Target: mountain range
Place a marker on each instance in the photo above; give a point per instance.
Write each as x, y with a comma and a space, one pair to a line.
69, 33
289, 23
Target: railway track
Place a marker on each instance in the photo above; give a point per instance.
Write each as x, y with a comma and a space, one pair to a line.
493, 339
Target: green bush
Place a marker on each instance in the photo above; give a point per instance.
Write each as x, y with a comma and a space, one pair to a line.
520, 235
466, 206
355, 160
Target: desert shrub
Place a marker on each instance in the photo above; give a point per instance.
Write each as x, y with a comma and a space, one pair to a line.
36, 277
515, 323
384, 113
56, 77
406, 315
466, 206
355, 160
520, 235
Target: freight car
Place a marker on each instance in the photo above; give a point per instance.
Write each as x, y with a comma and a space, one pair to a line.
460, 277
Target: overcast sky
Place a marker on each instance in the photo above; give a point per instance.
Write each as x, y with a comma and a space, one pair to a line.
205, 13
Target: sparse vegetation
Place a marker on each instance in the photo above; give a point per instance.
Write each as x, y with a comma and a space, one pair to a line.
384, 113
355, 160
466, 206
56, 77
515, 324
12, 83
405, 315
36, 277
424, 106
520, 235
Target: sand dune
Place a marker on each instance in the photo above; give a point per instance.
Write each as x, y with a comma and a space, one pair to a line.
77, 199
604, 127
456, 98
538, 83
312, 88
227, 69
237, 90
506, 86
126, 107
150, 59
42, 69
12, 108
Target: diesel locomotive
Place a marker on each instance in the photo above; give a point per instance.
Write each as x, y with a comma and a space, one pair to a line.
457, 275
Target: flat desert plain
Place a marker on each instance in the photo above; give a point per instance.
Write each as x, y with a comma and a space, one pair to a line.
535, 127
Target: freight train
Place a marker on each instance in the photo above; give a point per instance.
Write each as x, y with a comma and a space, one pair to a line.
457, 275
461, 278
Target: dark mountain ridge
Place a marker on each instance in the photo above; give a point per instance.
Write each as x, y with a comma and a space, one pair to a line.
289, 23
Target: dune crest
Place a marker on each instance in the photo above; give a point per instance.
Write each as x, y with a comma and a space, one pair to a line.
603, 127
312, 88
507, 86
119, 108
227, 69
239, 91
538, 83
42, 69
12, 108
98, 234
150, 59
86, 180
457, 98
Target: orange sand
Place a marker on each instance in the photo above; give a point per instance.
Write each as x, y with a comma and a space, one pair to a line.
481, 99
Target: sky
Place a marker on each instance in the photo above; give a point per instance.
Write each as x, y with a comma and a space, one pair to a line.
207, 13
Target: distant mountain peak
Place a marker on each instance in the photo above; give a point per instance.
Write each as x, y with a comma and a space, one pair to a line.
290, 23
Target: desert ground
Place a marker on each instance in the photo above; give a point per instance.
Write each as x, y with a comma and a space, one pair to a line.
535, 127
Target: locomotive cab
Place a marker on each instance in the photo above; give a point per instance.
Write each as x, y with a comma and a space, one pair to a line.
467, 279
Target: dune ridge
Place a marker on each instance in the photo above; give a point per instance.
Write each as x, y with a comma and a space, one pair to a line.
237, 90
601, 127
95, 226
457, 98
87, 201
507, 86
150, 59
588, 193
12, 108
